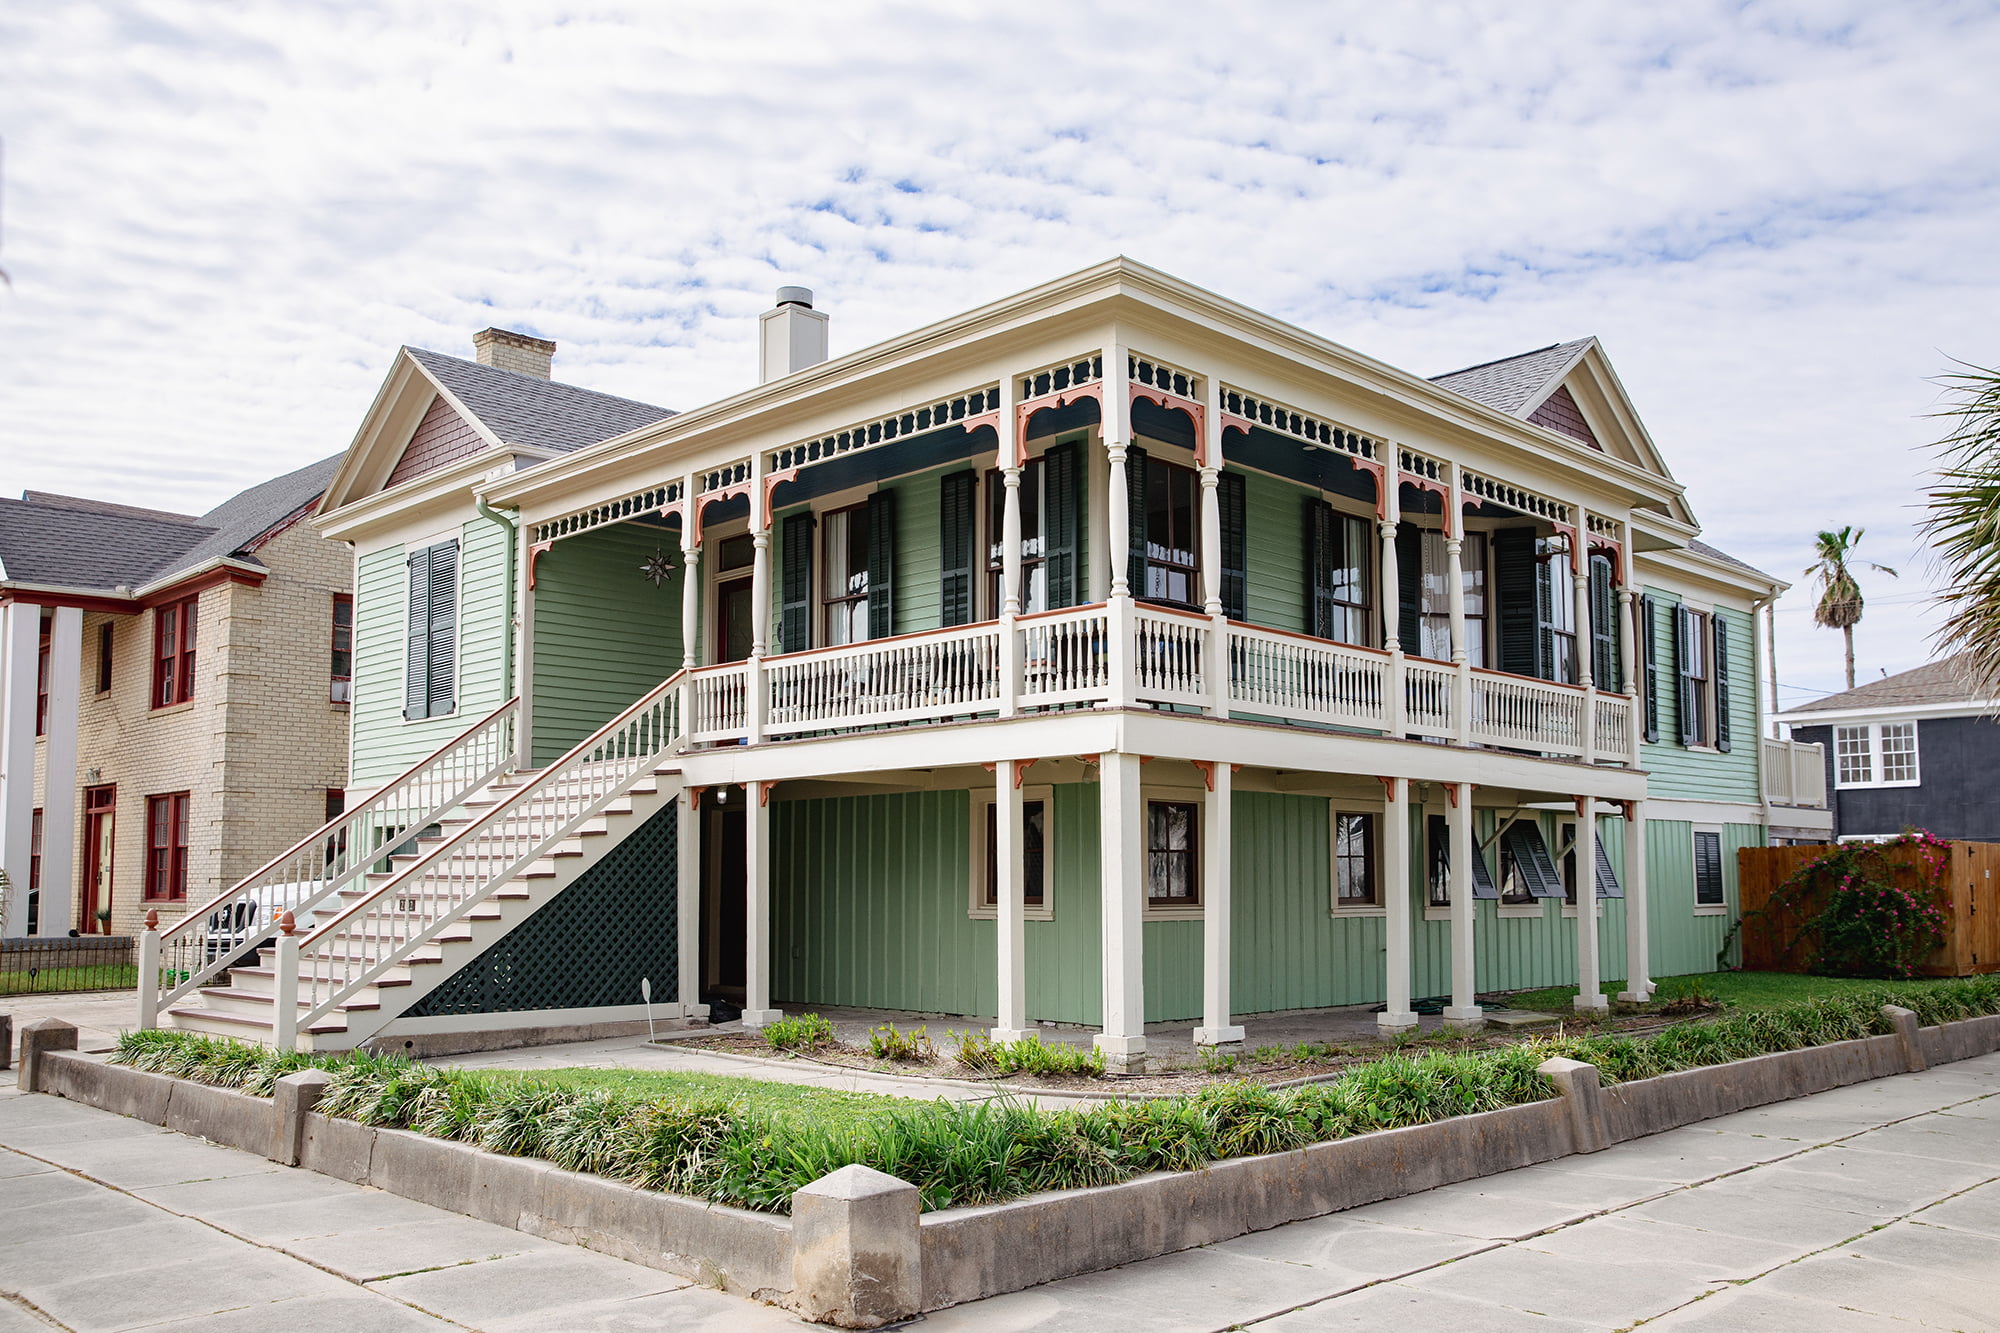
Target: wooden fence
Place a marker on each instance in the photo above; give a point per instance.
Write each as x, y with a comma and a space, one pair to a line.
1972, 915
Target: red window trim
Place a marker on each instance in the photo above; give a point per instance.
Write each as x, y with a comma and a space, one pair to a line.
167, 847
174, 625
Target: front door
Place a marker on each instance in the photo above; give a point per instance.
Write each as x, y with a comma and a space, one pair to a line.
725, 885
732, 612
99, 833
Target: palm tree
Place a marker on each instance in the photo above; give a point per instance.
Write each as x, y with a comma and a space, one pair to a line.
1839, 595
1964, 522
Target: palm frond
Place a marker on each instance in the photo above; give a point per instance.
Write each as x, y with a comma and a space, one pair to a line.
1963, 525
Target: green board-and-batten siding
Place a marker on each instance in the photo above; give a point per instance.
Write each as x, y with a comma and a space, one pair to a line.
604, 634
383, 743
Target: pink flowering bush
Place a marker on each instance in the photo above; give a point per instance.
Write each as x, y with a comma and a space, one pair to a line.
1861, 916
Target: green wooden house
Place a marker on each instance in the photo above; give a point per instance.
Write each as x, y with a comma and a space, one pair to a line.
1112, 654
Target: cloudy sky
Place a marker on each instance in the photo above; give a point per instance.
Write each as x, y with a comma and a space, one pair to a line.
220, 219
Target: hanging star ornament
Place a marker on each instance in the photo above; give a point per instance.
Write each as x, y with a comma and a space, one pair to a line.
657, 567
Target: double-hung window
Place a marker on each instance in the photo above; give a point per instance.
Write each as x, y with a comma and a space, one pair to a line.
1340, 551
1557, 595
1034, 827
1876, 754
173, 652
42, 680
1434, 594
1354, 881
430, 681
341, 688
1697, 700
167, 847
1173, 567
1173, 865
845, 581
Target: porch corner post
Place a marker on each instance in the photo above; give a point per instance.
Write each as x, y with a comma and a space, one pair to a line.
1461, 652
1217, 890
757, 1010
760, 605
1628, 645
1638, 961
687, 903
1397, 1016
690, 584
1586, 638
1215, 667
1011, 1021
1010, 566
1391, 593
523, 613
1464, 1010
1589, 978
1118, 604
1121, 889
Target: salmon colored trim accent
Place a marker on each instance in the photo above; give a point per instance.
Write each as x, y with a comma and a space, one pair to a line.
536, 550
1155, 609
763, 792
1230, 421
1442, 491
1207, 767
702, 502
1314, 638
1451, 792
1388, 786
1048, 402
862, 643
771, 483
1173, 402
1091, 758
694, 797
1576, 553
1629, 810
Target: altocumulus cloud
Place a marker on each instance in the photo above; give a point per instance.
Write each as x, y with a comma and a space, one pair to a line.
221, 219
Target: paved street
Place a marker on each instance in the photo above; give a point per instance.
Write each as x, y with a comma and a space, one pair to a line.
1874, 1207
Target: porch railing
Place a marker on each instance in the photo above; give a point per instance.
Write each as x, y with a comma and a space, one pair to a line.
1521, 713
1170, 656
1065, 657
1308, 680
244, 916
1794, 773
950, 673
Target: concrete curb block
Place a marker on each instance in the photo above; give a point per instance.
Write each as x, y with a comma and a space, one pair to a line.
292, 1098
1907, 1036
37, 1040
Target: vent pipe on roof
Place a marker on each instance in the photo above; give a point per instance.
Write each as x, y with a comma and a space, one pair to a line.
503, 349
791, 335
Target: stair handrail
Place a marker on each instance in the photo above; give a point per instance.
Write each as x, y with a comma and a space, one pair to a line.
202, 943
336, 959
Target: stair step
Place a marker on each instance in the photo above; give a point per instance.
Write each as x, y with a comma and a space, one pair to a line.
270, 974
246, 1022
262, 1000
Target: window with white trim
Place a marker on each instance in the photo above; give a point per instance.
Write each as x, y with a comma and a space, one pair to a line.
1710, 891
1876, 754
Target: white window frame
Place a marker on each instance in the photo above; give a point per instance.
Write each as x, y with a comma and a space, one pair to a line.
976, 905
1877, 755
1378, 811
1196, 796
1694, 866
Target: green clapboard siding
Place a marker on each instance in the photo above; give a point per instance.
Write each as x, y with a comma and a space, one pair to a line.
384, 744
604, 635
1700, 775
1277, 545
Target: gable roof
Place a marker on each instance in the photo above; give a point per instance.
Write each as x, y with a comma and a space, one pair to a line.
1517, 384
104, 506
1945, 682
538, 413
1700, 547
59, 541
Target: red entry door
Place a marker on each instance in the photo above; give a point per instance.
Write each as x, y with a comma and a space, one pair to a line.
100, 806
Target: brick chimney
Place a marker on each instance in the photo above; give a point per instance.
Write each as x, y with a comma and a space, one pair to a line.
503, 349
792, 335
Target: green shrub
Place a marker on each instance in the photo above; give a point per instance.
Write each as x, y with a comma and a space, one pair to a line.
889, 1043
807, 1032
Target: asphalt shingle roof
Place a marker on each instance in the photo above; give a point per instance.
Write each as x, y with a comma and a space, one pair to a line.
1700, 547
1511, 383
1945, 682
539, 413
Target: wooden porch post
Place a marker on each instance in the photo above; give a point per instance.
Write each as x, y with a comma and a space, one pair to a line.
1121, 888
1638, 961
690, 582
1012, 1017
687, 902
1216, 891
1391, 595
1589, 981
757, 1010
1012, 447
1216, 667
1117, 526
1464, 1010
1586, 640
1628, 644
760, 604
1397, 1016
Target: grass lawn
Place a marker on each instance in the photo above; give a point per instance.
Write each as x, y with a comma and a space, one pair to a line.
789, 1100
50, 979
1737, 990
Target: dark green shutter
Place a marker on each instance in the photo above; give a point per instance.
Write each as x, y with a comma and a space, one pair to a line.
441, 668
1514, 580
416, 668
1409, 586
1060, 525
1605, 668
1607, 878
1135, 519
1649, 666
1720, 671
1683, 627
1231, 496
1322, 552
1532, 861
795, 584
1482, 875
881, 564
958, 494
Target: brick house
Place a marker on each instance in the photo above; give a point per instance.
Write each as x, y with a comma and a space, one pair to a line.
173, 699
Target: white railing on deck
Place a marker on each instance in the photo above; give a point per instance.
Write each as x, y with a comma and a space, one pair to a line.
949, 673
1794, 773
1311, 680
718, 699
1170, 656
1521, 713
360, 945
1427, 691
1065, 656
244, 916
1614, 728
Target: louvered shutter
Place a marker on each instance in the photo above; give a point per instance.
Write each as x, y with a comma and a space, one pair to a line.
1322, 552
1482, 876
442, 667
881, 564
1607, 878
1514, 580
1231, 497
1409, 586
416, 667
1649, 667
1060, 525
1683, 630
1720, 671
1135, 519
795, 584
1532, 860
1605, 668
958, 542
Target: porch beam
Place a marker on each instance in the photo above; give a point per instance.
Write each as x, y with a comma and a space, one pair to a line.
1638, 959
1464, 1010
1121, 886
1397, 1016
1216, 893
757, 1010
1011, 932
1589, 979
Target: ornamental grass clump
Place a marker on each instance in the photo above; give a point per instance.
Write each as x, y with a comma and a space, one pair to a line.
807, 1032
888, 1042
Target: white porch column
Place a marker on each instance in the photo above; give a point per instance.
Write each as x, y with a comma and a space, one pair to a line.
1398, 1016
1464, 1010
523, 612
690, 594
757, 1010
1012, 449
1115, 430
1638, 960
1586, 639
1391, 590
1008, 844
1628, 642
20, 661
1461, 655
1216, 665
1121, 887
760, 605
1118, 606
687, 903
1589, 979
1216, 891
59, 794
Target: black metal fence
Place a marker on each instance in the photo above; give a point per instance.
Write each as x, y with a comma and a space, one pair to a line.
57, 963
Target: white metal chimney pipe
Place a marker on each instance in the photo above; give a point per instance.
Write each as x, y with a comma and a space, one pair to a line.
791, 335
